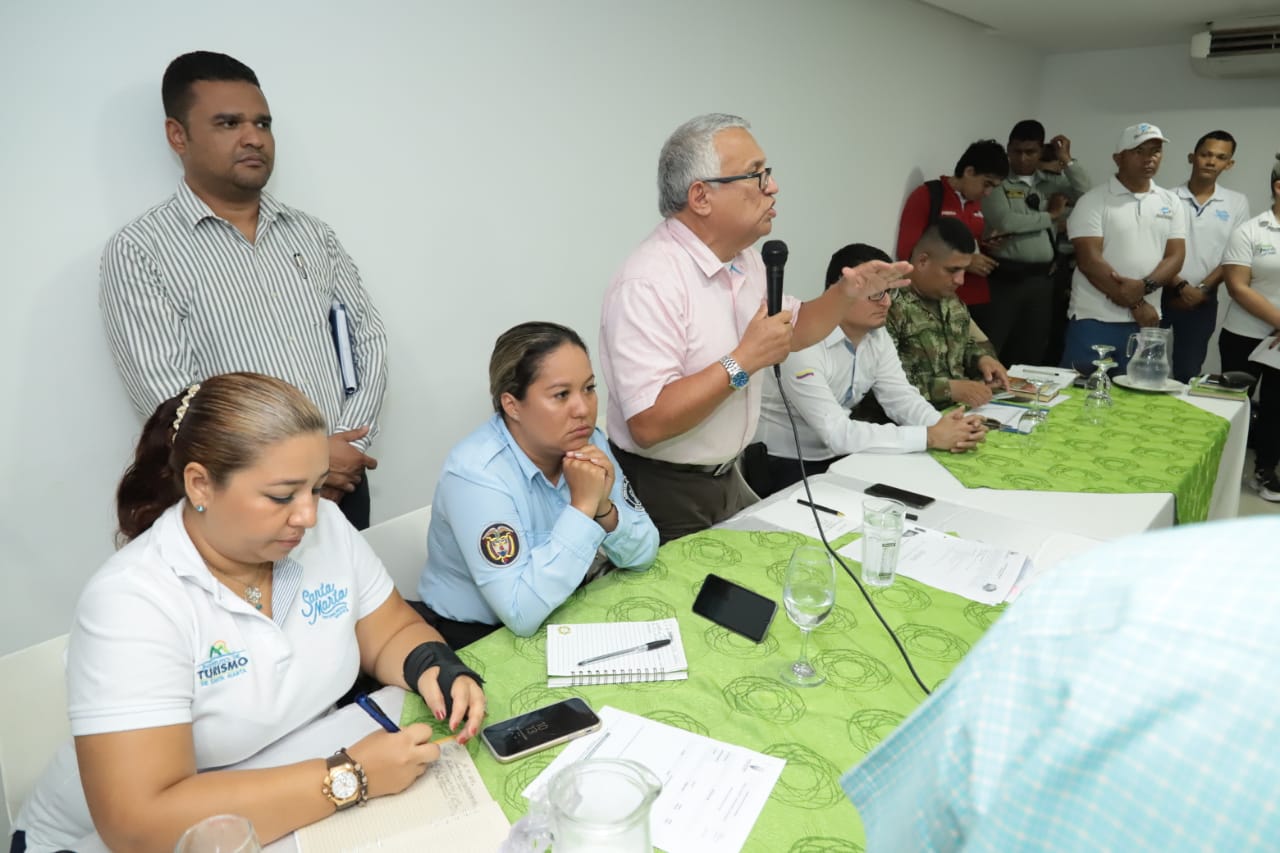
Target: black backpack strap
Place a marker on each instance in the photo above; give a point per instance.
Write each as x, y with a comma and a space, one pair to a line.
935, 201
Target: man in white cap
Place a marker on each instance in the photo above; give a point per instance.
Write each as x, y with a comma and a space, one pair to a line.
1130, 241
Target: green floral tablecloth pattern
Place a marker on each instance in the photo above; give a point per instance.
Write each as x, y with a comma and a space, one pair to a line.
733, 693
1148, 443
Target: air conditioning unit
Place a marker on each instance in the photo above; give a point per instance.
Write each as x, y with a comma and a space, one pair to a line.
1245, 48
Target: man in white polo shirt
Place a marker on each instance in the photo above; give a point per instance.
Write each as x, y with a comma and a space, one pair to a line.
826, 383
1130, 241
1190, 307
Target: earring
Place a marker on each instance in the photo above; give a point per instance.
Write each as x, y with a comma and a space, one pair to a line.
199, 507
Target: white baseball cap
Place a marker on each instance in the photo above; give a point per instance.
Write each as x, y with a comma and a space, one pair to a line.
1136, 134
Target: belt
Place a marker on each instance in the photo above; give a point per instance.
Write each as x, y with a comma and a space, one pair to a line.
683, 467
1019, 269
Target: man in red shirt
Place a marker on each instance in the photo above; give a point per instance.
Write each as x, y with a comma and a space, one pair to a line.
983, 167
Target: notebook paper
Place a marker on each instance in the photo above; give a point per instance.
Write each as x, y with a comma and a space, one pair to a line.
567, 645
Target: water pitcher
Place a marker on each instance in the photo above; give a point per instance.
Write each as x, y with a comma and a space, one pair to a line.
1151, 354
597, 805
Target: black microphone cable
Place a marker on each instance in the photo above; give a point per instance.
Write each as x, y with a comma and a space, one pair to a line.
804, 478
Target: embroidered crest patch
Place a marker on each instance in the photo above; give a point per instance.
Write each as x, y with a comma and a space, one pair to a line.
499, 544
629, 495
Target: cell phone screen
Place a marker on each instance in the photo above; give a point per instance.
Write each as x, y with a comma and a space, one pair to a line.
735, 607
539, 729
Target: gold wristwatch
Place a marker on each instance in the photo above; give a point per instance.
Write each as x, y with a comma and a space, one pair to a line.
345, 784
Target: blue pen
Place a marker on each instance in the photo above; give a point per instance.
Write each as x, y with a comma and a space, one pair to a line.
371, 708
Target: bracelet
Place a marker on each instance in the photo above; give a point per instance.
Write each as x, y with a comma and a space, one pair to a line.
438, 654
605, 514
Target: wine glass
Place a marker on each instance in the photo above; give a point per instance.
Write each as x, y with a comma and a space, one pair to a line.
1099, 382
224, 833
1098, 398
809, 593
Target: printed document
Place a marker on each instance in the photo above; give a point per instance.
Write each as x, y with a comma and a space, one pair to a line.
712, 792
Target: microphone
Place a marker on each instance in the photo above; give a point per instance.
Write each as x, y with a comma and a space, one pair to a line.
774, 253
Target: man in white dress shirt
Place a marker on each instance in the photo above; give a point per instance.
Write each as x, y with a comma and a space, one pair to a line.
827, 381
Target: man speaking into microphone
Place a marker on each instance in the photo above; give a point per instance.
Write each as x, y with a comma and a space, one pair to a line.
685, 325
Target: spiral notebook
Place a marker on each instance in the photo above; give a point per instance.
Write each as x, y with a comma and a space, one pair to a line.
568, 645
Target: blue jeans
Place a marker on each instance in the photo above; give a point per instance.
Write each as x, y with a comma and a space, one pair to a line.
1191, 332
1083, 334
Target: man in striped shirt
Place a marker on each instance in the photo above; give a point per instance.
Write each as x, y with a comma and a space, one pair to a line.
223, 277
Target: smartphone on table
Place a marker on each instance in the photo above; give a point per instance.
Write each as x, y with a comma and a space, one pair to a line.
912, 499
735, 607
539, 729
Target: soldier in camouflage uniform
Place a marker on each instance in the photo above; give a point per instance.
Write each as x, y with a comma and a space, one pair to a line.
931, 327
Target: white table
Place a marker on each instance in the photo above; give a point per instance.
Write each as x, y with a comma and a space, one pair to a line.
1099, 516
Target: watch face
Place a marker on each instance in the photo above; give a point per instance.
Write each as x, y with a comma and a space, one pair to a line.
345, 784
739, 379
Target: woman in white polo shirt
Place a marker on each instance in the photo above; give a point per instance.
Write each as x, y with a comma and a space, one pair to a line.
1251, 270
241, 608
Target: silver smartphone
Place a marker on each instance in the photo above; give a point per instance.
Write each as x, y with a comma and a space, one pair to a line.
539, 729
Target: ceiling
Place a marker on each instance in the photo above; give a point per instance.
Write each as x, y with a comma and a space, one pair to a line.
1076, 25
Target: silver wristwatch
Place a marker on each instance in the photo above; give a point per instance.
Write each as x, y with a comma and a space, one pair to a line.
738, 378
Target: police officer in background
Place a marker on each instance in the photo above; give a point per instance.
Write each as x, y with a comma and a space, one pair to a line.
1026, 214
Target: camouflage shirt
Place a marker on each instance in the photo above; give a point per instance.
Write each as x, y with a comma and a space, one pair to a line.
934, 343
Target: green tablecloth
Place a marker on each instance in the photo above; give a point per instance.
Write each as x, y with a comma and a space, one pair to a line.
1148, 443
733, 693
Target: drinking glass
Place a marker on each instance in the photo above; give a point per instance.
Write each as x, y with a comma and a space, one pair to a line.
809, 592
882, 522
224, 833
1030, 430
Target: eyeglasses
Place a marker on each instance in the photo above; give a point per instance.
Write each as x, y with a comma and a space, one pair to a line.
762, 176
876, 297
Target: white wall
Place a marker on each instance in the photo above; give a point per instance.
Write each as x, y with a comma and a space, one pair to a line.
484, 163
1092, 96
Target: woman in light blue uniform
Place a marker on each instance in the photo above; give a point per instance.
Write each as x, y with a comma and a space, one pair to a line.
527, 502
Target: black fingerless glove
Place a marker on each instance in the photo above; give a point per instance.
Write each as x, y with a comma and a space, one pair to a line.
428, 655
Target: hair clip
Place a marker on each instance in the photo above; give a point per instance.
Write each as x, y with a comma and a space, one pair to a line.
182, 408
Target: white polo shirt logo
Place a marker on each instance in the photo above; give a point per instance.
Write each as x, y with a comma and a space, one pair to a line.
222, 665
324, 602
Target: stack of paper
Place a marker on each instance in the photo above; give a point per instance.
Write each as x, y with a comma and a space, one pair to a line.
975, 570
712, 792
840, 511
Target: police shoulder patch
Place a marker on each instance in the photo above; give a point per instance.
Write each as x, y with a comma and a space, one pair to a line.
629, 495
499, 544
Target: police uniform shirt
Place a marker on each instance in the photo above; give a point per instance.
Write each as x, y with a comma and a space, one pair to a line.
505, 545
1135, 229
157, 641
1031, 233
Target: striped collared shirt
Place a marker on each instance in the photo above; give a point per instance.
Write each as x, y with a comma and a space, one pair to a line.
185, 296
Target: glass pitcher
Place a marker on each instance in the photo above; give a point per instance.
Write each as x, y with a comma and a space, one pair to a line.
1151, 354
597, 805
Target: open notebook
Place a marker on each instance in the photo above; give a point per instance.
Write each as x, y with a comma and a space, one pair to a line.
567, 645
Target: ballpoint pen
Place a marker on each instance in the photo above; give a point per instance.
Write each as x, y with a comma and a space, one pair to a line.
820, 507
371, 708
646, 647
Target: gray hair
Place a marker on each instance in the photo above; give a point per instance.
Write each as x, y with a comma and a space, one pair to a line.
689, 155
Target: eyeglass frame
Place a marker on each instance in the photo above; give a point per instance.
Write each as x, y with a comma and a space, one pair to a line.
876, 297
763, 176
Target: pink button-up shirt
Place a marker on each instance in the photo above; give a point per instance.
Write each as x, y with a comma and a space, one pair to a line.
673, 309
